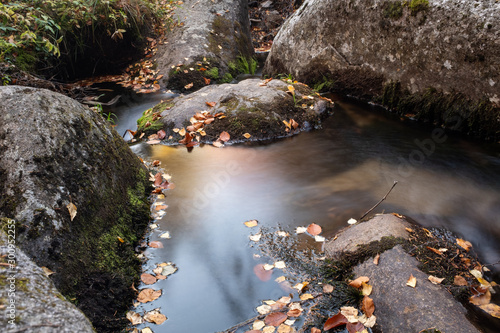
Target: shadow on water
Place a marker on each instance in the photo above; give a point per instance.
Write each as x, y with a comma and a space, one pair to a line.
325, 176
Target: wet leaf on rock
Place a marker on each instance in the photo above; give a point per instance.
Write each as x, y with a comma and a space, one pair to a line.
148, 295
366, 289
211, 104
435, 279
367, 306
305, 297
335, 321
294, 313
412, 281
314, 229
376, 259
357, 283
258, 324
148, 278
134, 318
275, 318
154, 316
72, 210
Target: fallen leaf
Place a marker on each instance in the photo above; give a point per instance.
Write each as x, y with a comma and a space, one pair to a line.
351, 313
148, 278
134, 318
315, 330
217, 144
352, 221
224, 136
165, 235
153, 142
263, 309
284, 328
148, 295
169, 269
161, 207
182, 132
412, 281
435, 280
294, 123
211, 104
367, 306
366, 289
368, 322
409, 230
481, 299
255, 238
156, 244
376, 259
460, 281
146, 330
300, 286
492, 309
161, 134
280, 264
318, 238
251, 223
294, 313
434, 250
72, 210
158, 270
466, 245
355, 327
247, 135
154, 316
47, 271
328, 288
261, 273
314, 229
291, 89
258, 325
188, 86
358, 282
156, 163
287, 124
192, 144
282, 233
335, 321
300, 230
305, 297
268, 267
275, 318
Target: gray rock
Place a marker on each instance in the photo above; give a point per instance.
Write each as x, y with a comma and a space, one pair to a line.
400, 308
384, 50
55, 152
218, 31
349, 238
29, 301
248, 108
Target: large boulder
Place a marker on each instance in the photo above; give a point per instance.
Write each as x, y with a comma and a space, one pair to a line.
59, 159
437, 61
211, 42
257, 107
28, 298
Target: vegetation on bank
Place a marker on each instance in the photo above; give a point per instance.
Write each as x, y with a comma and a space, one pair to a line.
69, 39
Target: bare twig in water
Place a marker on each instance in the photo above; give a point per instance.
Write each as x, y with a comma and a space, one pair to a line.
378, 203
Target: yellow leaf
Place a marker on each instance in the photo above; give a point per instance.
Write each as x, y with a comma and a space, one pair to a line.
358, 282
304, 297
247, 135
251, 223
291, 89
491, 309
182, 132
466, 245
366, 289
120, 239
47, 271
72, 210
176, 130
482, 299
287, 124
412, 281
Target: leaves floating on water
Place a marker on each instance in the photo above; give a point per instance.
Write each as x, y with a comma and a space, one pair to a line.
251, 223
275, 318
148, 295
154, 316
352, 221
148, 278
335, 321
261, 273
134, 318
156, 244
314, 229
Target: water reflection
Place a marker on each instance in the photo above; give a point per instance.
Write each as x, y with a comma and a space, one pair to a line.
326, 177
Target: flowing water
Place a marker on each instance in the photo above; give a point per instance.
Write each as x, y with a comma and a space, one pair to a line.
324, 176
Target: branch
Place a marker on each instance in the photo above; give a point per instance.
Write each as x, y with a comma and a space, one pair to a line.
378, 203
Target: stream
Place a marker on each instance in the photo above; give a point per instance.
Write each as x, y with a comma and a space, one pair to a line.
325, 176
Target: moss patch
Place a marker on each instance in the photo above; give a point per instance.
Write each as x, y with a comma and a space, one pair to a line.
150, 121
417, 6
393, 9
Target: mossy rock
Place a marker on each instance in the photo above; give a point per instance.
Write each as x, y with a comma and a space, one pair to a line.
78, 159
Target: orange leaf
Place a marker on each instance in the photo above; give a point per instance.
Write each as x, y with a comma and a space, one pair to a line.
294, 313
261, 273
207, 81
191, 128
357, 283
481, 299
367, 306
156, 244
247, 135
211, 104
314, 229
160, 207
158, 179
275, 318
492, 309
224, 136
335, 321
466, 245
294, 123
434, 250
148, 278
192, 144
148, 295
460, 281
209, 121
217, 144
376, 259
315, 330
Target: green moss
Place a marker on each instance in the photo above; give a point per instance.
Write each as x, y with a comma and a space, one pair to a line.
242, 65
149, 122
22, 284
324, 85
212, 73
417, 6
227, 78
393, 10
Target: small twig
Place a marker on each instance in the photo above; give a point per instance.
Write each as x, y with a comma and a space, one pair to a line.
378, 203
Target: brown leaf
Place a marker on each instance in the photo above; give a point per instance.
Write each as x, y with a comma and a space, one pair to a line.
211, 104
72, 210
224, 136
335, 321
355, 327
314, 229
209, 121
217, 144
434, 250
491, 309
192, 144
148, 278
328, 288
367, 306
466, 245
148, 295
156, 244
275, 318
357, 283
155, 316
134, 318
158, 179
294, 123
482, 299
261, 273
460, 281
315, 330
199, 116
161, 207
294, 313
376, 259
191, 128
161, 134
156, 163
412, 281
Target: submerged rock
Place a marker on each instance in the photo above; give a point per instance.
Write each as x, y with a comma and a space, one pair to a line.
59, 159
436, 61
211, 43
28, 299
251, 107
